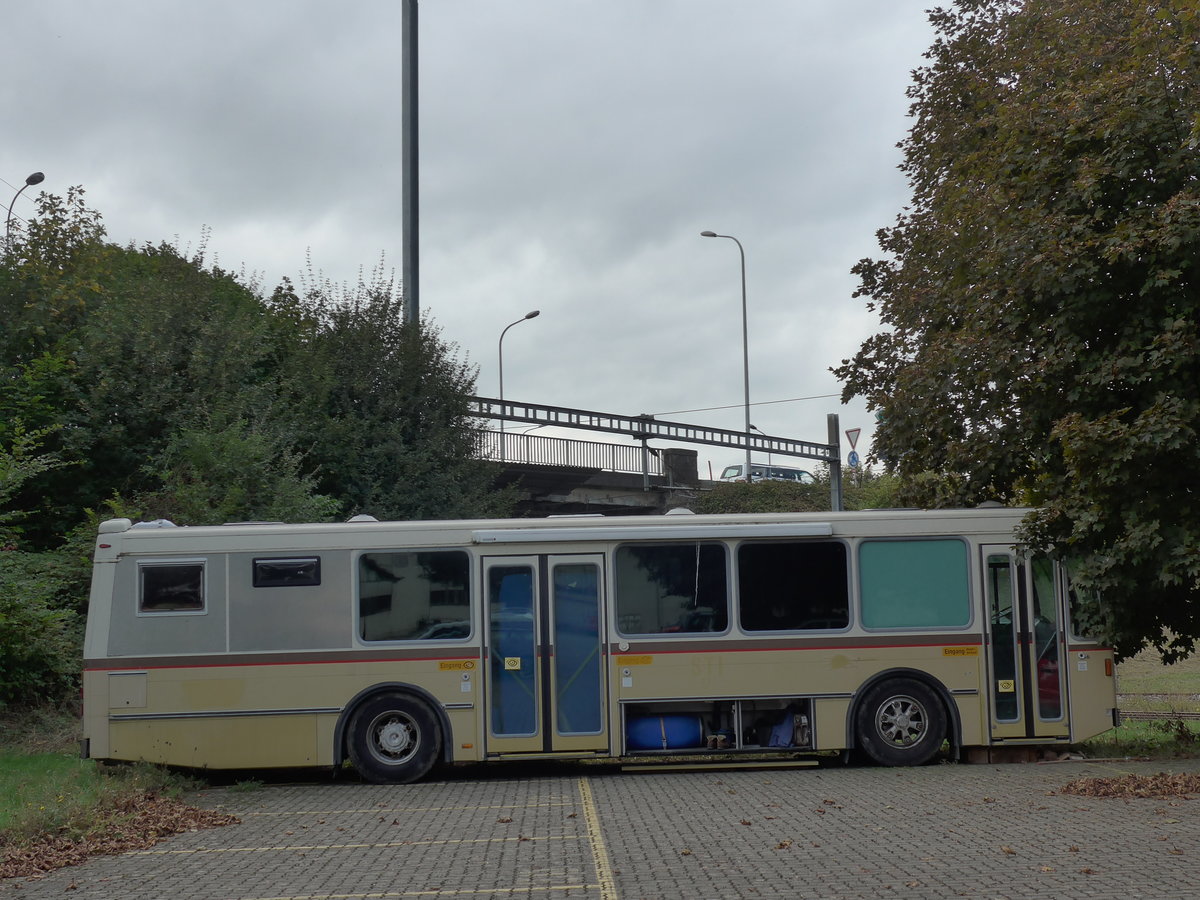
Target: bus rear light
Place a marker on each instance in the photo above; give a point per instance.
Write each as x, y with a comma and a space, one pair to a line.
1108, 668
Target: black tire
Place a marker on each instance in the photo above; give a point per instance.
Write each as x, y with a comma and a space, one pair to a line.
394, 739
901, 722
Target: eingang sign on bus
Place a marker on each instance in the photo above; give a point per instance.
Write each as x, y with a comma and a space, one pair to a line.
397, 646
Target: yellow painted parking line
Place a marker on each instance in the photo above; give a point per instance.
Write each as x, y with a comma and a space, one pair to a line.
360, 846
382, 809
591, 818
435, 892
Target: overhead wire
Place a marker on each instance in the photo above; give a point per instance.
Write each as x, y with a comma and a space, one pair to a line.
676, 412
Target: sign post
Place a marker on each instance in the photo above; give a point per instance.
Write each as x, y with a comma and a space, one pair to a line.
835, 464
852, 436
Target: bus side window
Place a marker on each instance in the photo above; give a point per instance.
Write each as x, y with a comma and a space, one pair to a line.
171, 587
671, 588
914, 583
414, 596
793, 586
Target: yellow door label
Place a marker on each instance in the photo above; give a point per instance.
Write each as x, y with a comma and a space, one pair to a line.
960, 651
635, 660
512, 663
456, 665
1006, 686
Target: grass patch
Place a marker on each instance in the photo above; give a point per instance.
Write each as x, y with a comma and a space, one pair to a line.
1161, 739
248, 786
46, 790
39, 792
1145, 683
44, 729
54, 794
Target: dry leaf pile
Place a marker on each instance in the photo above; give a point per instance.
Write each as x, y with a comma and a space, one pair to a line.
136, 824
1160, 785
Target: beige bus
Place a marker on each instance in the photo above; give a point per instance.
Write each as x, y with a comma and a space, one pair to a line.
400, 645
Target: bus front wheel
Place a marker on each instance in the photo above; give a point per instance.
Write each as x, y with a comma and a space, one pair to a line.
901, 722
394, 739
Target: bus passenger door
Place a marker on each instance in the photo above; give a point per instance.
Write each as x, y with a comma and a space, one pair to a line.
1024, 623
1088, 668
545, 687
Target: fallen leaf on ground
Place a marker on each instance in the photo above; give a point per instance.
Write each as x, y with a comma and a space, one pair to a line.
1160, 785
136, 824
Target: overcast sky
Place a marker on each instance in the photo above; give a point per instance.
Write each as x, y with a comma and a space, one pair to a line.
571, 153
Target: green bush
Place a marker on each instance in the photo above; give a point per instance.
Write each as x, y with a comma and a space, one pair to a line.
38, 639
861, 489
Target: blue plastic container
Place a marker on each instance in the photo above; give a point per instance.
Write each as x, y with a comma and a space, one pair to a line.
670, 732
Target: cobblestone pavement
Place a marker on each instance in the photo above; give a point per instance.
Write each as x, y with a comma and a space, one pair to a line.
977, 831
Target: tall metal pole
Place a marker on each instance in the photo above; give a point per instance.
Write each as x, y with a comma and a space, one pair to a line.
410, 268
835, 463
532, 314
745, 342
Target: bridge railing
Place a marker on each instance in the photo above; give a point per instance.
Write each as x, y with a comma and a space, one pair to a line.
539, 450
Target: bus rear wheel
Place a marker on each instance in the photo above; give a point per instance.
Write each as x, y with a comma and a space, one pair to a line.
901, 722
394, 739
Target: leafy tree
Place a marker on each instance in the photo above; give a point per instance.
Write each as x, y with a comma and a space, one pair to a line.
38, 657
50, 277
160, 349
35, 633
1042, 294
142, 382
392, 433
177, 352
227, 473
20, 461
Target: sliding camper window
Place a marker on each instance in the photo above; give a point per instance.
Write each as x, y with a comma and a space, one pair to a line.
414, 596
291, 571
671, 588
171, 586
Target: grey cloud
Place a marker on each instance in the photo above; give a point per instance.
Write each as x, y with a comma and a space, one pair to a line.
571, 152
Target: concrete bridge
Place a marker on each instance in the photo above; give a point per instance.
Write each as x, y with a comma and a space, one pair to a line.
561, 476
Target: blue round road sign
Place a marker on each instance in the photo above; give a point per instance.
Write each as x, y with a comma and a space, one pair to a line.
852, 459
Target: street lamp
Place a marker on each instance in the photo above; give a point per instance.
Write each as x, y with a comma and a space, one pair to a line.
745, 340
532, 314
35, 178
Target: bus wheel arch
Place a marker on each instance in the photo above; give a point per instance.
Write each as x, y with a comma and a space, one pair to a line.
392, 733
901, 718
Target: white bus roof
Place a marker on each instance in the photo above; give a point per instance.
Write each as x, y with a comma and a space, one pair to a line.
163, 536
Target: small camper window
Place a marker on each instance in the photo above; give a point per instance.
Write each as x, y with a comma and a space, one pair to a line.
175, 586
297, 571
